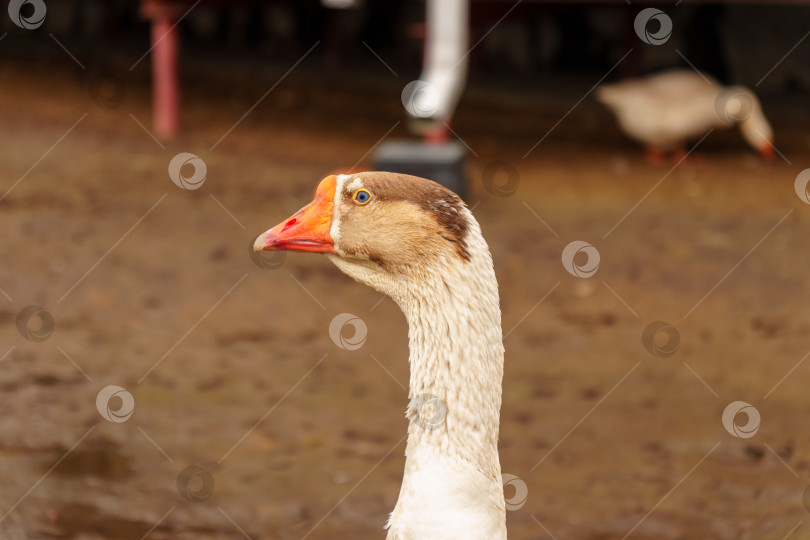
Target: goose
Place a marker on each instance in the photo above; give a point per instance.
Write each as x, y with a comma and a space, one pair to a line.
665, 110
417, 242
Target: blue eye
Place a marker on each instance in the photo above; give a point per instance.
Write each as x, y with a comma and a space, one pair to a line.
361, 197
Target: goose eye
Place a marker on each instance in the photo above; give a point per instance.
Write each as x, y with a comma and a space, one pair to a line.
361, 197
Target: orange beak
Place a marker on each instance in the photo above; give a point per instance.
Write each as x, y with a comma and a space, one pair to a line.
766, 151
308, 229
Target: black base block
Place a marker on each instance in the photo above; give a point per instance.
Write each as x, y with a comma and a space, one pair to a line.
443, 163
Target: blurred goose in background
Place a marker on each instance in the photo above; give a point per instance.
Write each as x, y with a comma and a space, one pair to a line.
417, 242
666, 110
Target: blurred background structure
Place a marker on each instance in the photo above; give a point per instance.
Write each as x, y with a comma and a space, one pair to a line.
161, 381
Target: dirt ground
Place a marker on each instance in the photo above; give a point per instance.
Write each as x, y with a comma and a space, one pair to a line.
232, 369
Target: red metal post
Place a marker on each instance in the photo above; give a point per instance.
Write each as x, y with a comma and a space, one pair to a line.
163, 15
165, 86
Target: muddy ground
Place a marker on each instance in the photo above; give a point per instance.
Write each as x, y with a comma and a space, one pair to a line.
151, 288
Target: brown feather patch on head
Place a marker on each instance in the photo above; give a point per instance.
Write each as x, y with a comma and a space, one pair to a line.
434, 199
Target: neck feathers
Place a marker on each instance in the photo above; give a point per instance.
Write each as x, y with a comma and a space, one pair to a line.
452, 483
456, 355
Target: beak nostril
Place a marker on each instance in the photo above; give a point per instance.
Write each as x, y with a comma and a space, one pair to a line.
289, 224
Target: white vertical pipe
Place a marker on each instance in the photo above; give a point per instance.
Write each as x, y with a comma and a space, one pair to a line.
446, 54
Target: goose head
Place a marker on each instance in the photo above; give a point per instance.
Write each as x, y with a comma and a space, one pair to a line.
740, 106
383, 229
757, 132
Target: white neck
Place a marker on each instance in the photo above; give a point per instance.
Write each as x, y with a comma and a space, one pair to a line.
756, 129
452, 484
